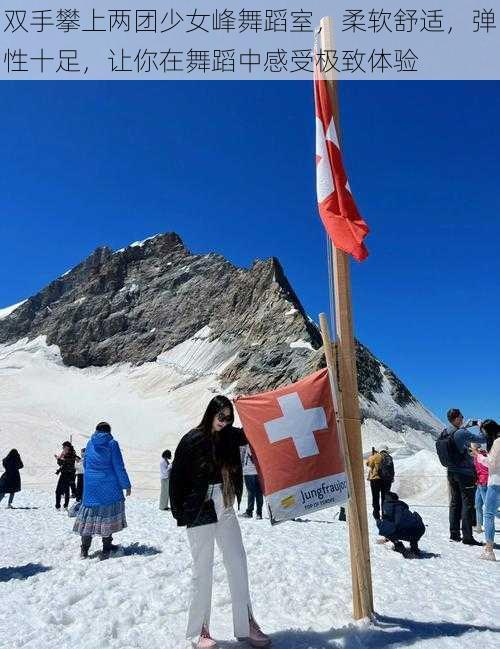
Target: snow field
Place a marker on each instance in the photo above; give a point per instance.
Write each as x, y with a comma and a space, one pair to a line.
299, 571
44, 403
299, 578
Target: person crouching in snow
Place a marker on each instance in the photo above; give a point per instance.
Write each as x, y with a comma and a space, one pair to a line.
400, 524
205, 480
102, 512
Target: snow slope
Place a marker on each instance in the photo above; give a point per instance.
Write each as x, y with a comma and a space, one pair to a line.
299, 577
43, 402
9, 309
385, 407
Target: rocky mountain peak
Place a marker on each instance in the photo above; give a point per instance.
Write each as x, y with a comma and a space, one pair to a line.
136, 303
141, 303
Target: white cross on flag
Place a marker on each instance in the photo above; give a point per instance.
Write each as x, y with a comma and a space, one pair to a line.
293, 435
338, 211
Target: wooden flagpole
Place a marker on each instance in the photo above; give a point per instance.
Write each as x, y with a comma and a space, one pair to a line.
348, 394
361, 582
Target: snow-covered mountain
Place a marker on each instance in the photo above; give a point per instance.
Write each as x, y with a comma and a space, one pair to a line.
144, 336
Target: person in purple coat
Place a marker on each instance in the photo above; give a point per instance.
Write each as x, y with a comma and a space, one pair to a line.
102, 512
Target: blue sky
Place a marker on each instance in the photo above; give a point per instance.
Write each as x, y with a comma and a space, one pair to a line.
230, 167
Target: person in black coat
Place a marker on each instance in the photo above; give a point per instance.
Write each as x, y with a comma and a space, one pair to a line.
79, 476
66, 472
10, 481
400, 524
205, 480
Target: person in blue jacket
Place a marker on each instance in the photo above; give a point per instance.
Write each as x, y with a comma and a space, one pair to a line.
400, 524
102, 512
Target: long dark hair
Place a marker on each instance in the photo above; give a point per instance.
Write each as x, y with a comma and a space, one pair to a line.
12, 455
216, 405
72, 452
221, 456
491, 430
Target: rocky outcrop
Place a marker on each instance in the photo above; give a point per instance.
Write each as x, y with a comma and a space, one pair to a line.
136, 304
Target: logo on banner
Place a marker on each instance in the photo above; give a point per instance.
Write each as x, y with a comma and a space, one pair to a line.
287, 502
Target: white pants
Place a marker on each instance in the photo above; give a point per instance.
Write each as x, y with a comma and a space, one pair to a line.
201, 541
164, 493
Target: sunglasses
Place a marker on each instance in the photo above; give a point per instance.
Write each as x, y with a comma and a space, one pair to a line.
224, 418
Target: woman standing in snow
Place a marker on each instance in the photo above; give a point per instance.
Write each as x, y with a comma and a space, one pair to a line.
206, 478
492, 501
481, 485
10, 481
102, 512
66, 471
165, 469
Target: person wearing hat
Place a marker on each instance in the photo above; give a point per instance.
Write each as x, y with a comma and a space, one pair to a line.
400, 524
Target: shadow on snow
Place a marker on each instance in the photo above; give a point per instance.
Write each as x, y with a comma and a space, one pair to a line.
384, 631
140, 549
135, 549
22, 572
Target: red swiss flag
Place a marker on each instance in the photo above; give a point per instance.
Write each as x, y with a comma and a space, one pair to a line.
345, 226
293, 433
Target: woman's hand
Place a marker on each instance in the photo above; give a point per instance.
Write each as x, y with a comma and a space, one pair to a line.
129, 491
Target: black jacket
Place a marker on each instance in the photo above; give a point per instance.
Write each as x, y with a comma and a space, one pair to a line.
67, 466
10, 482
196, 465
399, 522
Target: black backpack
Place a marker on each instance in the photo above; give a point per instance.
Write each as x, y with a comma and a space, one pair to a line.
447, 450
386, 469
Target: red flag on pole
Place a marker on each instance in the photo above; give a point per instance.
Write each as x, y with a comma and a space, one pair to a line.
293, 433
345, 226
